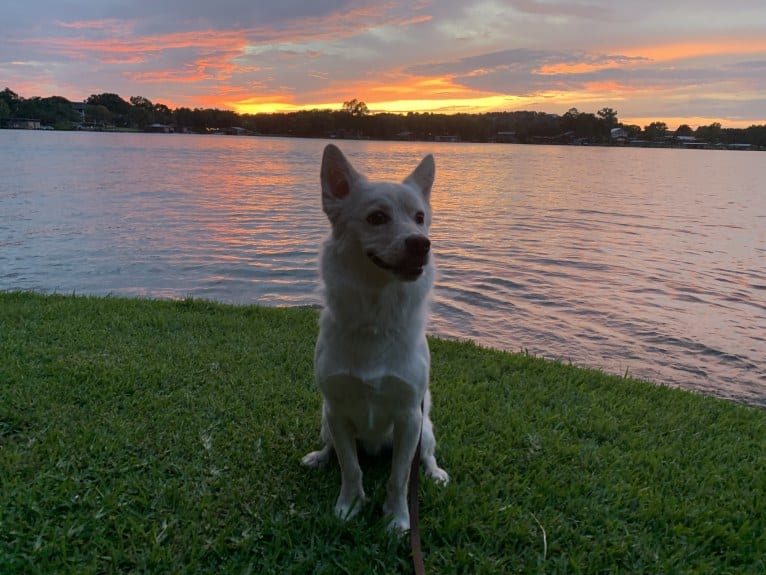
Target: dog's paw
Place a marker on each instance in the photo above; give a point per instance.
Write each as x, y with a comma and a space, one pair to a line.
316, 458
398, 521
437, 474
398, 514
348, 507
399, 525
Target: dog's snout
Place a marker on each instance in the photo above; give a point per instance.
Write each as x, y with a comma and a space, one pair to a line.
418, 245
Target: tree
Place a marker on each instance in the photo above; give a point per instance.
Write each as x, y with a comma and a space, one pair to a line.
111, 102
583, 124
141, 116
711, 133
655, 130
569, 120
684, 130
755, 135
162, 113
141, 102
5, 110
184, 117
9, 103
609, 116
118, 107
356, 108
97, 114
10, 97
55, 111
632, 130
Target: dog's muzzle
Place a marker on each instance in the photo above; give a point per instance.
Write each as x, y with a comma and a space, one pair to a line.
410, 267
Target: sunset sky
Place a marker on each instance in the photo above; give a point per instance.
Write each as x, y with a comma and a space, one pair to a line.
687, 61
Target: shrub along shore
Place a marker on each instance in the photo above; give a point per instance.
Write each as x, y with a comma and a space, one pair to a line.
165, 436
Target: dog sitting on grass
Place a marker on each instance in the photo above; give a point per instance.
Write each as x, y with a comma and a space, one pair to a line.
372, 359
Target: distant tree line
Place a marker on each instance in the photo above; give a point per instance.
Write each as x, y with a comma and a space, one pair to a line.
101, 111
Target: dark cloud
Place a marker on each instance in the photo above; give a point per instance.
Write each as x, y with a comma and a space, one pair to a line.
706, 107
754, 66
170, 16
519, 59
165, 15
589, 10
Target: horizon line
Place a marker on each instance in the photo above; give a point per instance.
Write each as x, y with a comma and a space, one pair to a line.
448, 107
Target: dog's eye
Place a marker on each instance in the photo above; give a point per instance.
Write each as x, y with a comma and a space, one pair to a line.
377, 218
420, 218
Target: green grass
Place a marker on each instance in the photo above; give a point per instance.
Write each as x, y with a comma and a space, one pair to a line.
165, 437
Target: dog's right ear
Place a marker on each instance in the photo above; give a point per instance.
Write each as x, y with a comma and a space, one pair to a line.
337, 175
423, 176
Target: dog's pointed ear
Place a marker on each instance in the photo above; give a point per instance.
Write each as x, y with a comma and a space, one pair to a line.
337, 175
423, 176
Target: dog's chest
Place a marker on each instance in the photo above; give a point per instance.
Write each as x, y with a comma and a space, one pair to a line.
371, 403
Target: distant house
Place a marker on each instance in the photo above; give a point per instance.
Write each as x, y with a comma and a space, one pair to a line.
236, 131
21, 124
446, 138
80, 107
159, 129
689, 142
507, 137
739, 146
618, 136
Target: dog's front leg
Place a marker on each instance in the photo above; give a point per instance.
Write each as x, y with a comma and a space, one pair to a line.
351, 492
406, 434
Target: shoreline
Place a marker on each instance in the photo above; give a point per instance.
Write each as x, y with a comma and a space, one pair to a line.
545, 142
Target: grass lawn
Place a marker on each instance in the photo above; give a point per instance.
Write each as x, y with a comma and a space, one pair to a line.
165, 437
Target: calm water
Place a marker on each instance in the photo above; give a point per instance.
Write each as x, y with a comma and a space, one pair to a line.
646, 261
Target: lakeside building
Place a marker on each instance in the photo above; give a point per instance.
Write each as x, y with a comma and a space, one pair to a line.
159, 129
20, 124
619, 136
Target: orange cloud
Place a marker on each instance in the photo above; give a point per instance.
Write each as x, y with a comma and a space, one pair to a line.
682, 50
612, 87
577, 67
124, 60
408, 88
416, 20
167, 76
228, 40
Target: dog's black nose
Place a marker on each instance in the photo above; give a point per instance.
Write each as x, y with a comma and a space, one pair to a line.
417, 245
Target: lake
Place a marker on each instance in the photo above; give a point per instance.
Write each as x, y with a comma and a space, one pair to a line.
650, 262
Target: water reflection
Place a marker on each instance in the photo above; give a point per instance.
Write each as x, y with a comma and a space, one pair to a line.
650, 261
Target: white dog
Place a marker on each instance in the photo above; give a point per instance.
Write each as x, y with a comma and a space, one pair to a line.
372, 360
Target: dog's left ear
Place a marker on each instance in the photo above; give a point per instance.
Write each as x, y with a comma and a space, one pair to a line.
338, 177
337, 174
423, 176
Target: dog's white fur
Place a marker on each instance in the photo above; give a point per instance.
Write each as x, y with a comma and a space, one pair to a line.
372, 360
